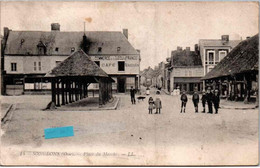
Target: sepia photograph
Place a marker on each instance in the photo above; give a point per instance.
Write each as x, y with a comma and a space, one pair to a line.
129, 83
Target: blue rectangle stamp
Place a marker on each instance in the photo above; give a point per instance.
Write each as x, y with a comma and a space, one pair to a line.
58, 132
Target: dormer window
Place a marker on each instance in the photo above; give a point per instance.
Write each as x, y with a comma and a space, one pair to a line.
41, 48
72, 49
57, 49
99, 49
22, 41
118, 48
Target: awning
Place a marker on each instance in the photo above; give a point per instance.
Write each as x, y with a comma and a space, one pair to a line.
187, 80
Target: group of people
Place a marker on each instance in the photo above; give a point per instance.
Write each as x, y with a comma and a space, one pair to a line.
210, 98
157, 104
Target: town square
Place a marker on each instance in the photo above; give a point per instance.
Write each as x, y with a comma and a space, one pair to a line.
79, 91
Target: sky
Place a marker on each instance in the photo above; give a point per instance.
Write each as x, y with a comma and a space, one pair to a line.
156, 28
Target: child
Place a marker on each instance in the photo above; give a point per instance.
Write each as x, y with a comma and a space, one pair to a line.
158, 105
150, 107
203, 100
184, 100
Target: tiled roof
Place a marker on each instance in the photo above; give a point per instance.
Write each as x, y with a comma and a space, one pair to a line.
77, 64
184, 58
25, 42
243, 58
218, 42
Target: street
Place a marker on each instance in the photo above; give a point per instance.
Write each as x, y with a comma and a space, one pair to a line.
173, 138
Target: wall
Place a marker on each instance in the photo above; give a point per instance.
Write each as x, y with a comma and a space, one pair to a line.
110, 63
187, 72
25, 64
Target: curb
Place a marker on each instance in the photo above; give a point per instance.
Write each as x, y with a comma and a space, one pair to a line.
110, 108
6, 114
96, 109
239, 108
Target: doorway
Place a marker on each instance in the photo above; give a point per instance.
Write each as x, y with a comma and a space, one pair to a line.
121, 84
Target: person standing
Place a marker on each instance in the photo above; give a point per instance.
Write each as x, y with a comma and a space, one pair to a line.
203, 100
132, 93
209, 97
195, 99
216, 100
184, 100
158, 105
150, 105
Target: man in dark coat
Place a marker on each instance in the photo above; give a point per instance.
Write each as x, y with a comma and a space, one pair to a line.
184, 100
209, 97
132, 93
195, 99
203, 100
216, 100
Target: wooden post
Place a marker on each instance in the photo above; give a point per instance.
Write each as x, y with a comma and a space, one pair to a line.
66, 91
58, 93
257, 94
69, 90
62, 93
53, 91
72, 91
80, 89
100, 92
235, 89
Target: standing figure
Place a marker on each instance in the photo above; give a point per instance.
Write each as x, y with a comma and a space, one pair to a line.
184, 100
147, 91
209, 97
203, 100
195, 99
132, 94
150, 105
216, 100
158, 105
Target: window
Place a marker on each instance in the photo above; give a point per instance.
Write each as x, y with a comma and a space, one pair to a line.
222, 54
211, 55
121, 65
99, 49
13, 67
40, 67
118, 48
56, 49
72, 49
35, 66
98, 63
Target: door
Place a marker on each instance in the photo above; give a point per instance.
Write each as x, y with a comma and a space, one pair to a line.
121, 84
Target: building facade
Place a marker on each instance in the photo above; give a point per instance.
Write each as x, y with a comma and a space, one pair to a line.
212, 51
186, 70
29, 55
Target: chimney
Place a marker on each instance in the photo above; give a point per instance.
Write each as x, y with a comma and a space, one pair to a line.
196, 48
55, 27
187, 50
179, 48
225, 38
6, 32
125, 32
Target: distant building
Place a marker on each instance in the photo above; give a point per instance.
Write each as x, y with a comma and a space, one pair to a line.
212, 51
158, 79
29, 55
146, 77
186, 70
